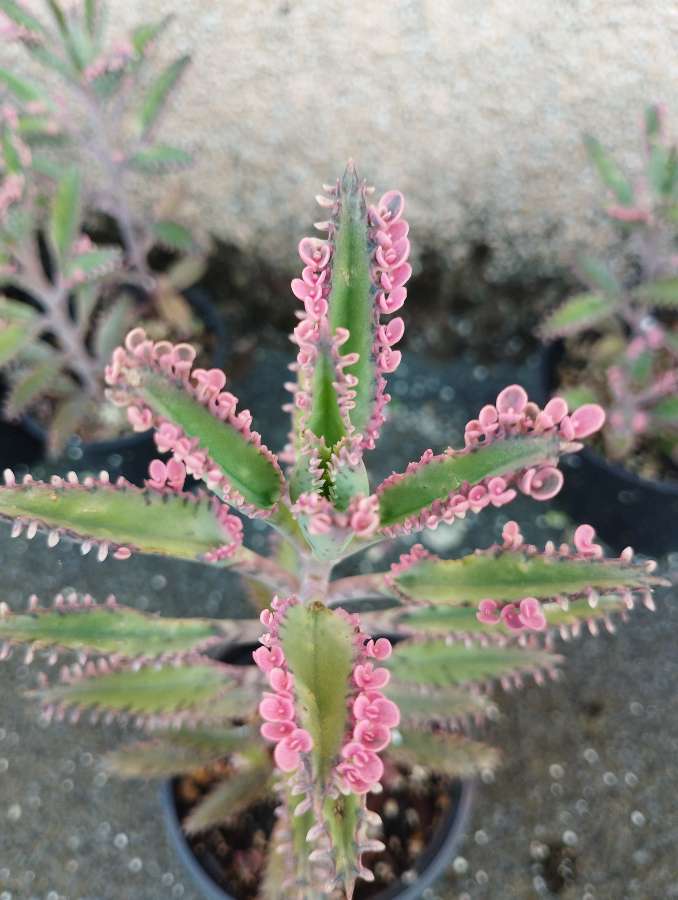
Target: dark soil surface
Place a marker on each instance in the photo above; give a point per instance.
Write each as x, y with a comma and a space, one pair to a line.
234, 854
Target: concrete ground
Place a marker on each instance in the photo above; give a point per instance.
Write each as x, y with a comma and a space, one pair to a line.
584, 806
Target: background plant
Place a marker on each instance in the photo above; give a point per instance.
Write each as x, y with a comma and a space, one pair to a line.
621, 333
341, 690
72, 144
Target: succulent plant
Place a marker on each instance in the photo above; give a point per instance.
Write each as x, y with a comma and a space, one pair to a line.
620, 334
341, 690
62, 287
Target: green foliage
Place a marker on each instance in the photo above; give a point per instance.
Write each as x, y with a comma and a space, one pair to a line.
145, 691
65, 214
437, 479
662, 293
231, 797
24, 91
93, 264
150, 521
249, 471
609, 172
179, 751
17, 328
319, 650
342, 816
437, 663
120, 630
112, 326
32, 384
159, 91
420, 706
577, 314
444, 753
159, 158
21, 16
665, 412
69, 413
174, 236
143, 35
512, 575
351, 303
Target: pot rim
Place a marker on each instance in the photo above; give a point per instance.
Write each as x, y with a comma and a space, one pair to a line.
200, 300
549, 357
446, 838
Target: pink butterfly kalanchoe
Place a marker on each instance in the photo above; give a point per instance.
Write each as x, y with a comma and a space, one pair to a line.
340, 702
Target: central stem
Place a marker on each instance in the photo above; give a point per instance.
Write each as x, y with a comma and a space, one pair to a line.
314, 579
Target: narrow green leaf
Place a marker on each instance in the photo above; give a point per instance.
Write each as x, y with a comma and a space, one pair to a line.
662, 293
578, 396
23, 90
249, 471
420, 707
512, 576
174, 236
447, 754
342, 816
52, 61
10, 154
65, 214
119, 630
159, 91
112, 326
437, 479
577, 314
609, 172
30, 386
436, 662
150, 521
93, 264
17, 327
69, 414
318, 647
325, 419
176, 752
143, 35
21, 16
160, 158
665, 412
351, 303
145, 691
230, 798
599, 275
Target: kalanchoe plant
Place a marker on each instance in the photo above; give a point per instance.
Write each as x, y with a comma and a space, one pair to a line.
105, 103
62, 287
333, 693
621, 338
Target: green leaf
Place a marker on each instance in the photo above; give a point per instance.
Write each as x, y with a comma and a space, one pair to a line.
437, 479
159, 91
30, 386
160, 158
91, 16
52, 61
512, 575
65, 214
94, 264
351, 303
17, 328
69, 414
343, 817
177, 752
609, 172
436, 662
143, 35
420, 707
447, 754
665, 412
318, 646
598, 274
578, 395
463, 620
325, 419
174, 236
230, 798
112, 326
23, 90
577, 314
249, 471
145, 691
45, 165
662, 293
10, 154
179, 525
118, 630
21, 16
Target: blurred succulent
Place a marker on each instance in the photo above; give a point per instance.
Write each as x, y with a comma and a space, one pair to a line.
621, 334
62, 288
341, 690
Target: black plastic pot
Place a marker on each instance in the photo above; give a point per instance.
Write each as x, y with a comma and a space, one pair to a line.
625, 509
129, 455
431, 864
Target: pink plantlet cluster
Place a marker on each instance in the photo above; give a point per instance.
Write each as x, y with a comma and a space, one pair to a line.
141, 357
361, 518
372, 714
277, 708
513, 415
115, 60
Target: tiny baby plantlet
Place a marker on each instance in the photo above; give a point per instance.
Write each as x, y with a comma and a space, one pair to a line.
620, 335
334, 696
